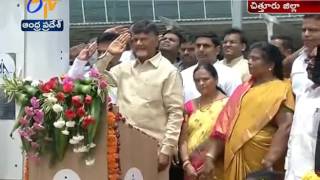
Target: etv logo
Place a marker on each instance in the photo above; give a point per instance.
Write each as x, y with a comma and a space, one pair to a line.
34, 6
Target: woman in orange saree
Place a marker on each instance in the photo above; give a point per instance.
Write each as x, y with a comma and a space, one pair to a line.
253, 128
202, 114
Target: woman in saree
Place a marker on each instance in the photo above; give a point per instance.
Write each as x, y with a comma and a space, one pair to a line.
201, 115
253, 128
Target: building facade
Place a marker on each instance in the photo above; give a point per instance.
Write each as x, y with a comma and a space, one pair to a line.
89, 17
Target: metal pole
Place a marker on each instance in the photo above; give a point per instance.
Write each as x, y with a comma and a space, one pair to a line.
106, 10
83, 15
204, 9
129, 10
236, 13
153, 11
178, 4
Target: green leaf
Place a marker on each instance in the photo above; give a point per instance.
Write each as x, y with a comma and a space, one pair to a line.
16, 123
96, 109
60, 143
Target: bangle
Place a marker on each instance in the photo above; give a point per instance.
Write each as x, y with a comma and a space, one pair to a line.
185, 164
187, 159
210, 156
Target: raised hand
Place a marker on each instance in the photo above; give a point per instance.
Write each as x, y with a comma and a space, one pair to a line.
117, 29
161, 38
87, 52
119, 44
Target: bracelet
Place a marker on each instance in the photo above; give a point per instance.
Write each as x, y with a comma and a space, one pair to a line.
210, 156
185, 164
187, 159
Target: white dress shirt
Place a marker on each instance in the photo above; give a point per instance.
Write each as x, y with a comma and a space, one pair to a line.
228, 81
299, 75
303, 136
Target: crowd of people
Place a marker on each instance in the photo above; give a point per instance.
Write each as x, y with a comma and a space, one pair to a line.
220, 108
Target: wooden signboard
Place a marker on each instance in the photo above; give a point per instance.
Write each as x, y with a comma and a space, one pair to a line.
138, 160
73, 166
138, 155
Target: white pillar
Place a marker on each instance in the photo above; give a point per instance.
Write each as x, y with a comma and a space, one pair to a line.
39, 55
236, 13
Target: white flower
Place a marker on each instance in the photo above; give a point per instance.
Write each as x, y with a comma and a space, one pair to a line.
72, 141
83, 149
70, 124
65, 132
52, 99
59, 124
78, 138
90, 162
28, 78
35, 83
92, 145
57, 108
47, 94
75, 150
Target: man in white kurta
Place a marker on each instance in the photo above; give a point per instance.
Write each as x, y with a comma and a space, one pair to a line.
303, 137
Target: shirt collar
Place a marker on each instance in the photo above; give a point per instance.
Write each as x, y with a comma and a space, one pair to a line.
154, 61
233, 61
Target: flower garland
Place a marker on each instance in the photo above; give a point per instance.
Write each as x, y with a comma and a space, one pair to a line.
26, 168
113, 146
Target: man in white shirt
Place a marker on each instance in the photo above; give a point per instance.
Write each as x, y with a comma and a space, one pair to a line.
207, 49
234, 44
303, 136
150, 92
311, 38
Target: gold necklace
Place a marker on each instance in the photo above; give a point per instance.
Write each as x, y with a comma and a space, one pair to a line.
205, 107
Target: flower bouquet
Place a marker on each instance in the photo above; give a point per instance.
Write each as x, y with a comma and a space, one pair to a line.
58, 113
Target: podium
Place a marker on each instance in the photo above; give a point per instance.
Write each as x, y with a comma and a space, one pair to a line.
138, 159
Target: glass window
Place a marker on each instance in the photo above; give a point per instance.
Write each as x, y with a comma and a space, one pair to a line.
7, 110
168, 9
141, 10
217, 9
117, 10
94, 11
191, 9
75, 11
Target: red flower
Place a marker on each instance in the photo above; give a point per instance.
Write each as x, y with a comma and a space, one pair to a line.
60, 96
103, 84
68, 86
45, 88
81, 111
88, 99
76, 101
53, 82
49, 86
88, 120
69, 114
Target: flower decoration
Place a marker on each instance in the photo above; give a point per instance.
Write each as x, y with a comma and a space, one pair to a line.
58, 113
